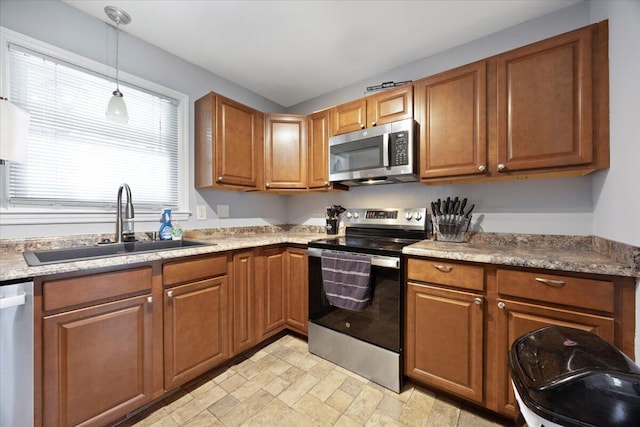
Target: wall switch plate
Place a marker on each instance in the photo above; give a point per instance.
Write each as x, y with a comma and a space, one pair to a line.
223, 211
201, 212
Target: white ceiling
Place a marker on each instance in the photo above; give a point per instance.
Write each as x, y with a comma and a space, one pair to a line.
292, 51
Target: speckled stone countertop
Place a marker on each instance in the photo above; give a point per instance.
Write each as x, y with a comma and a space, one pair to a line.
566, 253
14, 267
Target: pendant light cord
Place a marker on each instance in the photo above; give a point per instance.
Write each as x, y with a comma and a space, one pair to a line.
118, 55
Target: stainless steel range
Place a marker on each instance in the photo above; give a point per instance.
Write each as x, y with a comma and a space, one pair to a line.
356, 292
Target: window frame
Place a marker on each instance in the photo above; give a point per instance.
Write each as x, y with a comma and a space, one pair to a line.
28, 214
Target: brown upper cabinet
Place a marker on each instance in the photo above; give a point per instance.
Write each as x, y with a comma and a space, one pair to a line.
285, 152
384, 107
545, 103
228, 144
539, 109
452, 111
319, 126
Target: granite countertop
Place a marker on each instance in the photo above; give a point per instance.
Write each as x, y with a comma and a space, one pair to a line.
14, 267
563, 253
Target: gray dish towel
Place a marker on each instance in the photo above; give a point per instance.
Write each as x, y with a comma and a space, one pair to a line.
345, 279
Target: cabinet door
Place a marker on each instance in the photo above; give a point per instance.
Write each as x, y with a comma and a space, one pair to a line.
243, 302
390, 105
228, 144
297, 289
545, 103
444, 339
453, 122
318, 171
97, 362
349, 117
196, 329
285, 152
270, 276
516, 319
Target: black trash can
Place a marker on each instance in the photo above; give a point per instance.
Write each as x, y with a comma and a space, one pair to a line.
569, 377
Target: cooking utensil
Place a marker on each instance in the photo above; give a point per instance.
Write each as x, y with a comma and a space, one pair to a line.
468, 214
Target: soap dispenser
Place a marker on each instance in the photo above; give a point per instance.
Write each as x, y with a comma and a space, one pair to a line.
166, 228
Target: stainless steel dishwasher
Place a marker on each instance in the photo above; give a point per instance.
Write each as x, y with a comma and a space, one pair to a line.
16, 354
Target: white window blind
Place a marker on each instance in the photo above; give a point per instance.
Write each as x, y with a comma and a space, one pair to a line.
75, 157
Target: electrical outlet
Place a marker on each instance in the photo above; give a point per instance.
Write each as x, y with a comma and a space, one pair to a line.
201, 212
223, 211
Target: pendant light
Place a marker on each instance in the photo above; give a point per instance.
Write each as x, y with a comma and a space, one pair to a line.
117, 109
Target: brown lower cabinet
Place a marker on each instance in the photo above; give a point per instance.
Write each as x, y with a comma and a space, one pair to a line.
297, 290
243, 295
446, 325
461, 319
96, 352
196, 318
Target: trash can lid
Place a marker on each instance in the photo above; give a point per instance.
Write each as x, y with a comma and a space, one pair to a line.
575, 378
555, 354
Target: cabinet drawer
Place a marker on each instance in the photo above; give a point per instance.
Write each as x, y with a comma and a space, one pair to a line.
75, 291
573, 291
188, 271
446, 273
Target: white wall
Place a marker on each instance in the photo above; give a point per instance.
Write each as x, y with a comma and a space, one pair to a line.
551, 206
58, 24
581, 205
620, 185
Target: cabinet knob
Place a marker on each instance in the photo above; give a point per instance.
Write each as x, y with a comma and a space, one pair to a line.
444, 268
149, 300
373, 123
170, 294
267, 185
326, 184
362, 126
502, 305
219, 179
481, 168
477, 300
501, 167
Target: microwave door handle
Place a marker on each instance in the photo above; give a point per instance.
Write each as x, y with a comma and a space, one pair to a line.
385, 150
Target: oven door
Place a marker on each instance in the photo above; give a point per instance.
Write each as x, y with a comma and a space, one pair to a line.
379, 323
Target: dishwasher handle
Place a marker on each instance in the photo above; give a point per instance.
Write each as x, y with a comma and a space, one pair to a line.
13, 301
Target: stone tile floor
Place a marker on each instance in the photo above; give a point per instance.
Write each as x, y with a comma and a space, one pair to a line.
282, 384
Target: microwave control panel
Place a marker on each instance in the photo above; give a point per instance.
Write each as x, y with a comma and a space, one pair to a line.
399, 146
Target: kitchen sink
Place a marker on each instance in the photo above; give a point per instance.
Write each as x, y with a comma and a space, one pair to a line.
53, 256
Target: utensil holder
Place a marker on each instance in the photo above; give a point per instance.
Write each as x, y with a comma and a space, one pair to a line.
451, 228
332, 226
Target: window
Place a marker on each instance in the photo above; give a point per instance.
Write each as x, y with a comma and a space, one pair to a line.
76, 159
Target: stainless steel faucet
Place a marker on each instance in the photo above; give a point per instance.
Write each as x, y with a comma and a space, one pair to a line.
124, 232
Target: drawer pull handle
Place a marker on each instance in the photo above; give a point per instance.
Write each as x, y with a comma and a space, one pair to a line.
170, 294
444, 268
477, 300
550, 282
502, 305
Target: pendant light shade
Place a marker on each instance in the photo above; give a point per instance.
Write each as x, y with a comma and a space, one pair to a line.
117, 109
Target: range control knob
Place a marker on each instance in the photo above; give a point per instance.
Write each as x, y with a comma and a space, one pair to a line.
349, 215
408, 215
418, 216
356, 215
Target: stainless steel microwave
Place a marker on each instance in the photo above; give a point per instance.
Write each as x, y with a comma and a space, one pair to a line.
379, 155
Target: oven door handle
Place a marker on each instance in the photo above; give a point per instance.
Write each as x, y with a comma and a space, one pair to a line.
376, 260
